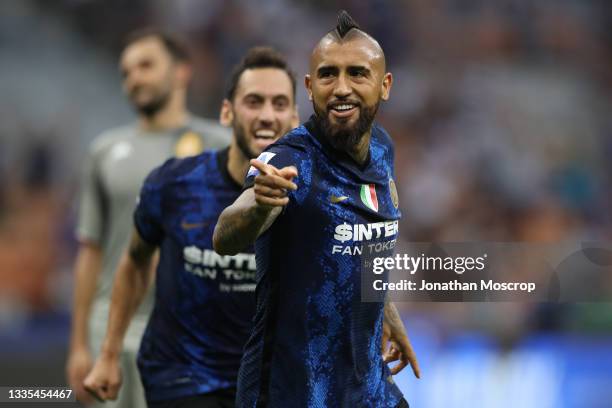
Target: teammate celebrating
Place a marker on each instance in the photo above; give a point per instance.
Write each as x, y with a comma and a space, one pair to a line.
315, 343
156, 72
204, 302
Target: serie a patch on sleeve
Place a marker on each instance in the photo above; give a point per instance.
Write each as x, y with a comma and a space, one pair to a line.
264, 157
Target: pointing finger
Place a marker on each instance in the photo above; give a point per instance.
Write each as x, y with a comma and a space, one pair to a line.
263, 168
288, 172
275, 182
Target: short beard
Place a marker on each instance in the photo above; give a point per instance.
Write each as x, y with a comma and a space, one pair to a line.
151, 108
346, 139
241, 140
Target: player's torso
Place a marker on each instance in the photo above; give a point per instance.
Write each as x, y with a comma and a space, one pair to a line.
342, 215
204, 302
356, 210
124, 159
125, 162
122, 166
128, 161
191, 208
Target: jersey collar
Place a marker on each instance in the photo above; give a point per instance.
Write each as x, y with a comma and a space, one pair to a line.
222, 161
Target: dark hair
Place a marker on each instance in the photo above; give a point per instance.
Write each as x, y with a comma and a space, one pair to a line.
259, 57
345, 23
176, 47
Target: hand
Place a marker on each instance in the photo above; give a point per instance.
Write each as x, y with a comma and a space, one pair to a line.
395, 343
271, 184
104, 380
78, 365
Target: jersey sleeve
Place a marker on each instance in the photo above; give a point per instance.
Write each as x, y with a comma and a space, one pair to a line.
93, 201
278, 156
388, 146
288, 151
391, 153
148, 212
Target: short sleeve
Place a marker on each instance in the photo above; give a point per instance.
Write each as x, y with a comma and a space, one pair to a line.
148, 212
278, 156
391, 153
93, 202
282, 155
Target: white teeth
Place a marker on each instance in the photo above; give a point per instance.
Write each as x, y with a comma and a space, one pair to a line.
344, 107
265, 133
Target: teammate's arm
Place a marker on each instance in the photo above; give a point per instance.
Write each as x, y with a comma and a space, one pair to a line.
255, 210
395, 342
87, 268
133, 277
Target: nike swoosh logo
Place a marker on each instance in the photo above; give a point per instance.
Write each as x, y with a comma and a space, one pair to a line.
337, 199
193, 225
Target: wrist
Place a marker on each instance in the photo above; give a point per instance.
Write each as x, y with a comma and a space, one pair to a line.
78, 345
110, 350
262, 211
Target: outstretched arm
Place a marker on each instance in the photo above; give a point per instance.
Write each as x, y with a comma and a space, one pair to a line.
255, 210
133, 277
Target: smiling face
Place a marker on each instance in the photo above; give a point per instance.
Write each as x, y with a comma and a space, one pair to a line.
262, 110
346, 83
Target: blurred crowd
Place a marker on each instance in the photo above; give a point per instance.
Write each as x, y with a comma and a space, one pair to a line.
500, 112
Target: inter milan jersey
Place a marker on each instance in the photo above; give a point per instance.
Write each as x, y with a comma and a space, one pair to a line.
315, 343
204, 302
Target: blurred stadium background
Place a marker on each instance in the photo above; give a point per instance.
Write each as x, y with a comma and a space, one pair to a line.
501, 113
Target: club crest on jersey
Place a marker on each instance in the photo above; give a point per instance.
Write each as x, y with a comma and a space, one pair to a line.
189, 144
393, 192
368, 196
264, 157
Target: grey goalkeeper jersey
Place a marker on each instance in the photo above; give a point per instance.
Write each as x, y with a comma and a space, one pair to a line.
118, 162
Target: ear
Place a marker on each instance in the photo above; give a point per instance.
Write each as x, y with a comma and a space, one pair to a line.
226, 117
295, 118
308, 85
386, 86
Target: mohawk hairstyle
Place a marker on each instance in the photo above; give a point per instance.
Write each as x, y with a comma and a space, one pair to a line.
345, 23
